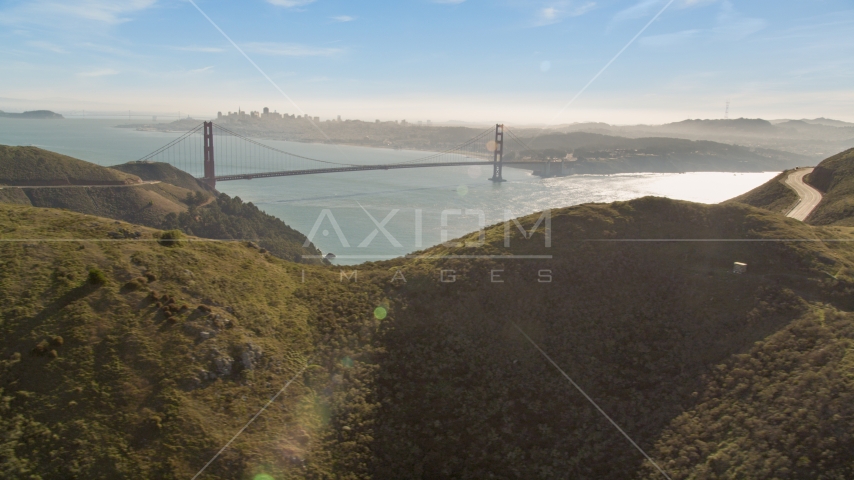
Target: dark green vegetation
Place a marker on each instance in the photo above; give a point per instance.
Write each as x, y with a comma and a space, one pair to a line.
772, 195
229, 218
834, 177
781, 410
32, 114
131, 359
603, 154
150, 372
165, 359
456, 392
171, 200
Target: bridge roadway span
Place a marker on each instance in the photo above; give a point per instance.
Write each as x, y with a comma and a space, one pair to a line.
357, 168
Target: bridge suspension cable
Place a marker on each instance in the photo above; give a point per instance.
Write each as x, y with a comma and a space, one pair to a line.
236, 156
519, 141
476, 147
259, 144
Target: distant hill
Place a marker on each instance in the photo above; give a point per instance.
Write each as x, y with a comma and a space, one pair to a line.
829, 122
174, 199
741, 125
604, 154
34, 114
815, 139
834, 177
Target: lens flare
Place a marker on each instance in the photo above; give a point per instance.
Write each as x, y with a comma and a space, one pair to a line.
462, 190
380, 313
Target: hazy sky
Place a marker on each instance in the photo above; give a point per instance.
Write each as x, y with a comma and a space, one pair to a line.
518, 61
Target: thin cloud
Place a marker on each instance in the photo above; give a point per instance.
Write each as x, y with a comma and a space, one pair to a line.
729, 26
99, 11
289, 3
289, 50
99, 73
642, 9
343, 18
449, 2
202, 70
556, 12
199, 49
96, 47
46, 46
646, 8
667, 39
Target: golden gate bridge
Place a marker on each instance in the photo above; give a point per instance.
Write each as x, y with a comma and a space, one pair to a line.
214, 153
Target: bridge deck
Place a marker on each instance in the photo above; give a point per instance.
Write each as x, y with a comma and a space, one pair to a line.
357, 168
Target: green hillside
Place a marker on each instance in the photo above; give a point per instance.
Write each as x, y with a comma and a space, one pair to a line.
173, 199
456, 392
129, 359
163, 172
34, 166
717, 375
773, 195
834, 177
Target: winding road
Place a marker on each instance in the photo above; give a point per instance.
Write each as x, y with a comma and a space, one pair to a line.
809, 196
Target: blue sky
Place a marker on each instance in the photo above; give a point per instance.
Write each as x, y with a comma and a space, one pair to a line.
475, 60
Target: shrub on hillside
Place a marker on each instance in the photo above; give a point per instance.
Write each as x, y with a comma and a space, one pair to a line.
96, 277
171, 238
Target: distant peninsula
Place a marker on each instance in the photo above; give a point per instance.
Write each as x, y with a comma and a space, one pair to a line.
37, 114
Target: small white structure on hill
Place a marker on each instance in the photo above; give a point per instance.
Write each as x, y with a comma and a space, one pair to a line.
739, 267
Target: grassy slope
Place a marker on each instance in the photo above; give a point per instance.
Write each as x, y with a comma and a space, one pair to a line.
457, 392
34, 166
122, 395
835, 178
161, 205
445, 386
165, 173
772, 195
144, 204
